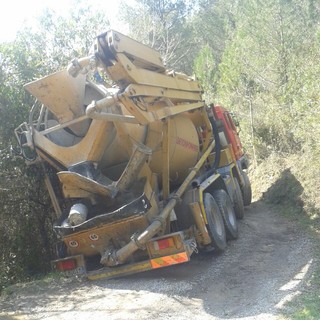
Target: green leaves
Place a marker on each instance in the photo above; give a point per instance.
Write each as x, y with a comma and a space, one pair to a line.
164, 26
261, 60
205, 69
26, 238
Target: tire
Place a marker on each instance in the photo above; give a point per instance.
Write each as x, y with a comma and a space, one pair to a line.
215, 224
246, 190
229, 217
238, 200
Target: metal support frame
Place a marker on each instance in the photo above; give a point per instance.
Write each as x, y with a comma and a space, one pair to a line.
53, 197
165, 160
121, 255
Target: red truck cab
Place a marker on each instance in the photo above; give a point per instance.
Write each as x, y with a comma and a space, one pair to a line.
229, 129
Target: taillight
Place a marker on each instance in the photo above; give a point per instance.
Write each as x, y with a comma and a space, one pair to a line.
163, 243
66, 265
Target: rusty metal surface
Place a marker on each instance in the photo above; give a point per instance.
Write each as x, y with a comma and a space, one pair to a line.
137, 207
61, 93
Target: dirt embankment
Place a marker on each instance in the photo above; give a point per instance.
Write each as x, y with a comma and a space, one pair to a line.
266, 267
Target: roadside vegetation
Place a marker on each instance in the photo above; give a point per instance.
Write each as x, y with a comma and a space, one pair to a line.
260, 59
288, 185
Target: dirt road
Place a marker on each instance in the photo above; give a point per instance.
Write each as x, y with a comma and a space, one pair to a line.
253, 279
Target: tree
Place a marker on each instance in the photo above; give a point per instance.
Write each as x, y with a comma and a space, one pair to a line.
26, 238
162, 25
260, 69
205, 70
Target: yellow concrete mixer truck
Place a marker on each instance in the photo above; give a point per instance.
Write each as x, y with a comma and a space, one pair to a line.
140, 170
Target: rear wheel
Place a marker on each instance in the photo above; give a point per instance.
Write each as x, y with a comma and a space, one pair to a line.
229, 217
215, 224
246, 190
238, 200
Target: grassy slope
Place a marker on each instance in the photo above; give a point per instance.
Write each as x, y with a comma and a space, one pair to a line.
292, 184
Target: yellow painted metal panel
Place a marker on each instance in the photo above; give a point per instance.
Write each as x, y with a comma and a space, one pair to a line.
61, 93
140, 53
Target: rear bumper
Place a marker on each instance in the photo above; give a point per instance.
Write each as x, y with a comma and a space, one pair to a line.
151, 264
163, 251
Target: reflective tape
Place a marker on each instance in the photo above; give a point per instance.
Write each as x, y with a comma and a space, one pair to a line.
169, 260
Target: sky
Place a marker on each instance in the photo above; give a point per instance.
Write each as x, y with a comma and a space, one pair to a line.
15, 13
